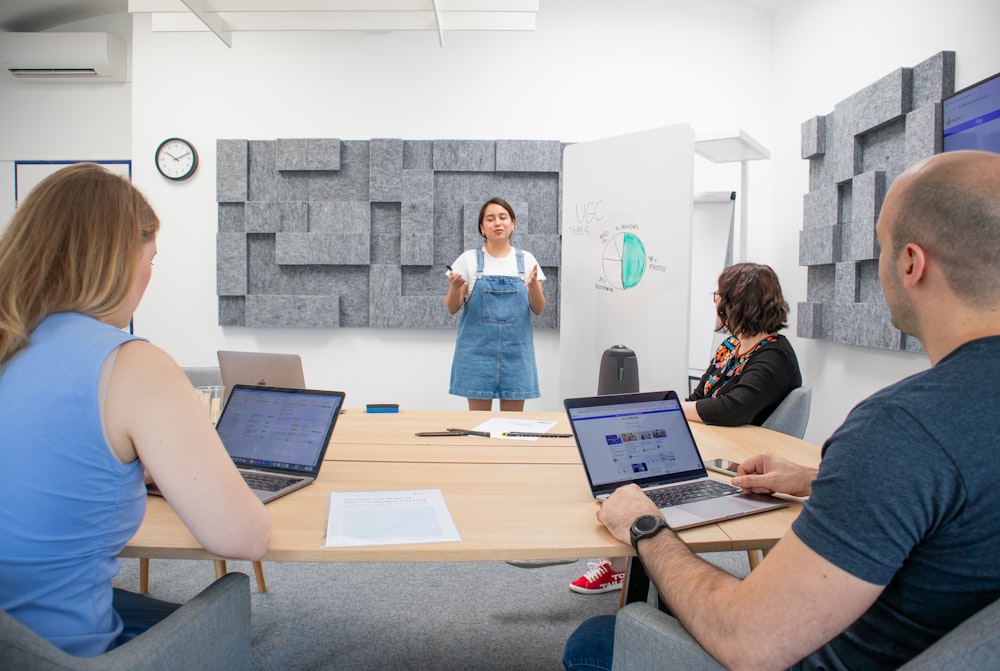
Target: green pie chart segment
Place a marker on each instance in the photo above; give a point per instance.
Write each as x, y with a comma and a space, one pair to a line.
624, 261
633, 260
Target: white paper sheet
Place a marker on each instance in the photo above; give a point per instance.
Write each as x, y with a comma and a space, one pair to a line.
501, 425
389, 518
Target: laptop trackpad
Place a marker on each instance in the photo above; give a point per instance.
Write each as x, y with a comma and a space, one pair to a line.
692, 514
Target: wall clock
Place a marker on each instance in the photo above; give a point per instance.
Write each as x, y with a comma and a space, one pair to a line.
176, 159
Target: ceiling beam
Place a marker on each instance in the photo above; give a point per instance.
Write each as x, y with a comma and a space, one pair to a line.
211, 20
437, 20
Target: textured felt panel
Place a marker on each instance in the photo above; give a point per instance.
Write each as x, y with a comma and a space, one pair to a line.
528, 156
304, 311
814, 137
867, 194
854, 153
465, 155
231, 264
386, 171
272, 217
356, 233
231, 171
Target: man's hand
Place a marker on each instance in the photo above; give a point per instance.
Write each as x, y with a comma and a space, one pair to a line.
622, 508
765, 473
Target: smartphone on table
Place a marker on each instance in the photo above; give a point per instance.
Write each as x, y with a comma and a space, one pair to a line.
724, 466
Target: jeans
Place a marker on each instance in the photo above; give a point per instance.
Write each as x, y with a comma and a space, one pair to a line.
138, 613
591, 646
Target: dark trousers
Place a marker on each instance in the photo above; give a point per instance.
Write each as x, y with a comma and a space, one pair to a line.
138, 612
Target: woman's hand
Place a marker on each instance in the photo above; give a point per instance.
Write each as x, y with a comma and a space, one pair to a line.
536, 299
456, 292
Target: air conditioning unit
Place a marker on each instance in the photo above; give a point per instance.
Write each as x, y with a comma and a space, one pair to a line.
63, 57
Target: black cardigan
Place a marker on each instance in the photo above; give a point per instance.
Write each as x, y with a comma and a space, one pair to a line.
750, 397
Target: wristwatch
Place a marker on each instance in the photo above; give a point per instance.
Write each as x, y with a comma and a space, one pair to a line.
646, 526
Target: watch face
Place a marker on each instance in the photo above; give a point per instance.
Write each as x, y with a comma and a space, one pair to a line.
176, 159
646, 523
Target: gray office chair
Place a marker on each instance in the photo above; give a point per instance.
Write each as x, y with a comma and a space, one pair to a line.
792, 415
202, 377
210, 632
646, 638
208, 376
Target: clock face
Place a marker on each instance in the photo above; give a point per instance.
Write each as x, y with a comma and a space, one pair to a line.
176, 158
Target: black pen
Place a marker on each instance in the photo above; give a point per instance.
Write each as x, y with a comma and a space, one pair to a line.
528, 434
449, 268
470, 432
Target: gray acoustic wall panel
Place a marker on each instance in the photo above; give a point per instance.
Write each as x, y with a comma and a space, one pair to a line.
331, 233
231, 170
854, 154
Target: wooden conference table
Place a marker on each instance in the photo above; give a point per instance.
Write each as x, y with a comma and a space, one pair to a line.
510, 499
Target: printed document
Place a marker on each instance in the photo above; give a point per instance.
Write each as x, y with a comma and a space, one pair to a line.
389, 518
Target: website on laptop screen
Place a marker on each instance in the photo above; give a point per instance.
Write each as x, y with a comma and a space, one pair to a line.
276, 429
621, 443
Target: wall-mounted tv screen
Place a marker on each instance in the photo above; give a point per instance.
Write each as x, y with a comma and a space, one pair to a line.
971, 117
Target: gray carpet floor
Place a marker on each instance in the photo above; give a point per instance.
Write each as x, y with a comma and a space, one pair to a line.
441, 616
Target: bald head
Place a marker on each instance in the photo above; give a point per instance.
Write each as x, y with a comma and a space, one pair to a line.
949, 204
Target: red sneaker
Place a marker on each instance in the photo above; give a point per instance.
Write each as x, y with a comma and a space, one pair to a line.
600, 578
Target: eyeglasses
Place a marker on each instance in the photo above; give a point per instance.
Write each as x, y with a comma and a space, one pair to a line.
716, 295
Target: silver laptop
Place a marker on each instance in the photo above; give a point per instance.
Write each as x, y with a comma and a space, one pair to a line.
644, 438
261, 368
277, 436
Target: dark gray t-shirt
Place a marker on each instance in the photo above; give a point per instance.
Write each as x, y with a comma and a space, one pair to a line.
907, 497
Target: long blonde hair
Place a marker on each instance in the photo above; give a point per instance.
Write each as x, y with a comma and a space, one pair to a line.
71, 246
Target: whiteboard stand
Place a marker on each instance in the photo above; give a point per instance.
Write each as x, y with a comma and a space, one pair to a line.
728, 147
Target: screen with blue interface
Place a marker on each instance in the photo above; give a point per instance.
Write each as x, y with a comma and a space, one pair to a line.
971, 117
621, 443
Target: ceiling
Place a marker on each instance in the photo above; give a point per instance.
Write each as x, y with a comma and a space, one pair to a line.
225, 16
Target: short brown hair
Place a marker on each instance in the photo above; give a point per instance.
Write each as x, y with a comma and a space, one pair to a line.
750, 300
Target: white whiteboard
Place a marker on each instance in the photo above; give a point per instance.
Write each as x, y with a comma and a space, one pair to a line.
625, 278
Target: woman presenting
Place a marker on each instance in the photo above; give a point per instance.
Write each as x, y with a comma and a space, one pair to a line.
497, 285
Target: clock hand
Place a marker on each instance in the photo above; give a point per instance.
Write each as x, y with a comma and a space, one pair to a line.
183, 155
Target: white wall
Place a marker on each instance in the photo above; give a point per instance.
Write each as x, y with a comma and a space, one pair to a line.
592, 69
823, 52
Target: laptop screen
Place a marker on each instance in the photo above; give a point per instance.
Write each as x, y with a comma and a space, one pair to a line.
270, 427
642, 438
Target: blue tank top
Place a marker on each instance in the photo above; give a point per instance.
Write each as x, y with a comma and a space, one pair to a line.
67, 504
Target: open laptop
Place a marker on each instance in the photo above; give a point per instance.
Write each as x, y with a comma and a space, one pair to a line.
261, 368
277, 436
644, 438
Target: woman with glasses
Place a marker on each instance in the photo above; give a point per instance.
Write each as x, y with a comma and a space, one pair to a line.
755, 367
751, 373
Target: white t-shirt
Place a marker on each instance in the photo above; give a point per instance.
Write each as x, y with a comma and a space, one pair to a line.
465, 265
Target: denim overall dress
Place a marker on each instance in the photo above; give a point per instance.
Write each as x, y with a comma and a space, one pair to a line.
495, 348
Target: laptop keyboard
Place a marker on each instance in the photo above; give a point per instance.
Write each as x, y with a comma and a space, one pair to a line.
692, 491
265, 482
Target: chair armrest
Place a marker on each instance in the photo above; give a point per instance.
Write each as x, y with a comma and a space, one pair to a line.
646, 638
974, 644
210, 632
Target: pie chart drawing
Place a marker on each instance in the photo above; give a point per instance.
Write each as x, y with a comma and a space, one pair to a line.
624, 261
